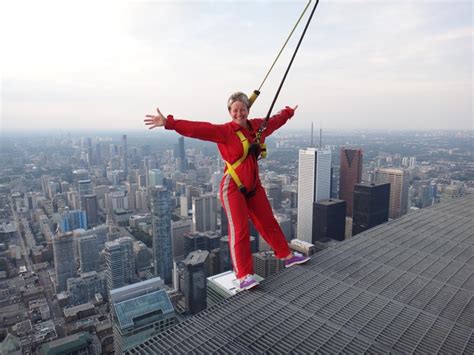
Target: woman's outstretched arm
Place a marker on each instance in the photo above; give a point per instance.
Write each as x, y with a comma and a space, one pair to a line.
201, 130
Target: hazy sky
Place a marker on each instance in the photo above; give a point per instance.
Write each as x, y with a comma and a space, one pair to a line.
69, 65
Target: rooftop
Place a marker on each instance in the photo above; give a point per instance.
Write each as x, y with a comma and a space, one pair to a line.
132, 310
67, 344
405, 286
196, 257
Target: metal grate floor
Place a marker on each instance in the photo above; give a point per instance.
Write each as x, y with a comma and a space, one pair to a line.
402, 287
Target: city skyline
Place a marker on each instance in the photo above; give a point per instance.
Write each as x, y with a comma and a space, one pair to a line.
57, 289
382, 65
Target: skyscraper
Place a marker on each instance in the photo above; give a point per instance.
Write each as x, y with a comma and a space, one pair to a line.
120, 262
161, 223
349, 175
88, 253
398, 190
178, 230
330, 218
371, 206
64, 265
114, 265
155, 177
205, 209
142, 256
181, 155
314, 184
125, 156
192, 280
90, 206
84, 187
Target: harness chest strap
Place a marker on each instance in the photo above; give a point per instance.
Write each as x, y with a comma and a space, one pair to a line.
231, 167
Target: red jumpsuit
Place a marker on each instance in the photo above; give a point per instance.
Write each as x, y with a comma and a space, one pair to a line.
238, 207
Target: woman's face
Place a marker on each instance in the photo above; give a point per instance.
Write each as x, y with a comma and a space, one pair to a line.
239, 113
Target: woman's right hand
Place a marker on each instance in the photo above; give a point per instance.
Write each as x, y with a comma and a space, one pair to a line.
155, 121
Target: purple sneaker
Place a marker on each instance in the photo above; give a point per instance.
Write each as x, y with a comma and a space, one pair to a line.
296, 260
248, 283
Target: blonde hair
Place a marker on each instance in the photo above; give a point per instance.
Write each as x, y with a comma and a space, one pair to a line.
238, 96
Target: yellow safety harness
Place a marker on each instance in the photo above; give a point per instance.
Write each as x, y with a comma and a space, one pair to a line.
247, 147
231, 167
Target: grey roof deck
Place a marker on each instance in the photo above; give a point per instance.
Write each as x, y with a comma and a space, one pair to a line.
402, 287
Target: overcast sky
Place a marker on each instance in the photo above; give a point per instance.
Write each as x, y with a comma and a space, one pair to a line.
381, 64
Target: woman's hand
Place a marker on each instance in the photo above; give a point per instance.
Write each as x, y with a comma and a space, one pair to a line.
155, 121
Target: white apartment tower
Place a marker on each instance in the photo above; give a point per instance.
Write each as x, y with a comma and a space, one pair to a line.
314, 184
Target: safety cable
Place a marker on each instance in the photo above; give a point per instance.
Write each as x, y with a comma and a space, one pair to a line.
264, 123
284, 45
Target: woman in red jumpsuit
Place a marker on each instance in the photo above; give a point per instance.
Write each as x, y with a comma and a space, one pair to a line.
240, 207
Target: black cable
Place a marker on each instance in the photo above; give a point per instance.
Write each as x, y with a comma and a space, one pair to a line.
288, 68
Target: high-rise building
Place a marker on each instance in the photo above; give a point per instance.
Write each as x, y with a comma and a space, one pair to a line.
73, 199
201, 241
114, 265
216, 179
274, 192
186, 199
90, 206
120, 262
314, 184
284, 221
84, 187
125, 156
179, 229
330, 217
88, 247
85, 288
192, 273
205, 209
139, 312
398, 190
132, 188
142, 256
371, 206
350, 174
180, 155
64, 264
73, 219
226, 262
117, 200
141, 199
155, 177
98, 153
113, 150
265, 263
161, 224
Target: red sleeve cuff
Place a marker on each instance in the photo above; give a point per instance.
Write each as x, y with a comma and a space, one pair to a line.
288, 112
169, 122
